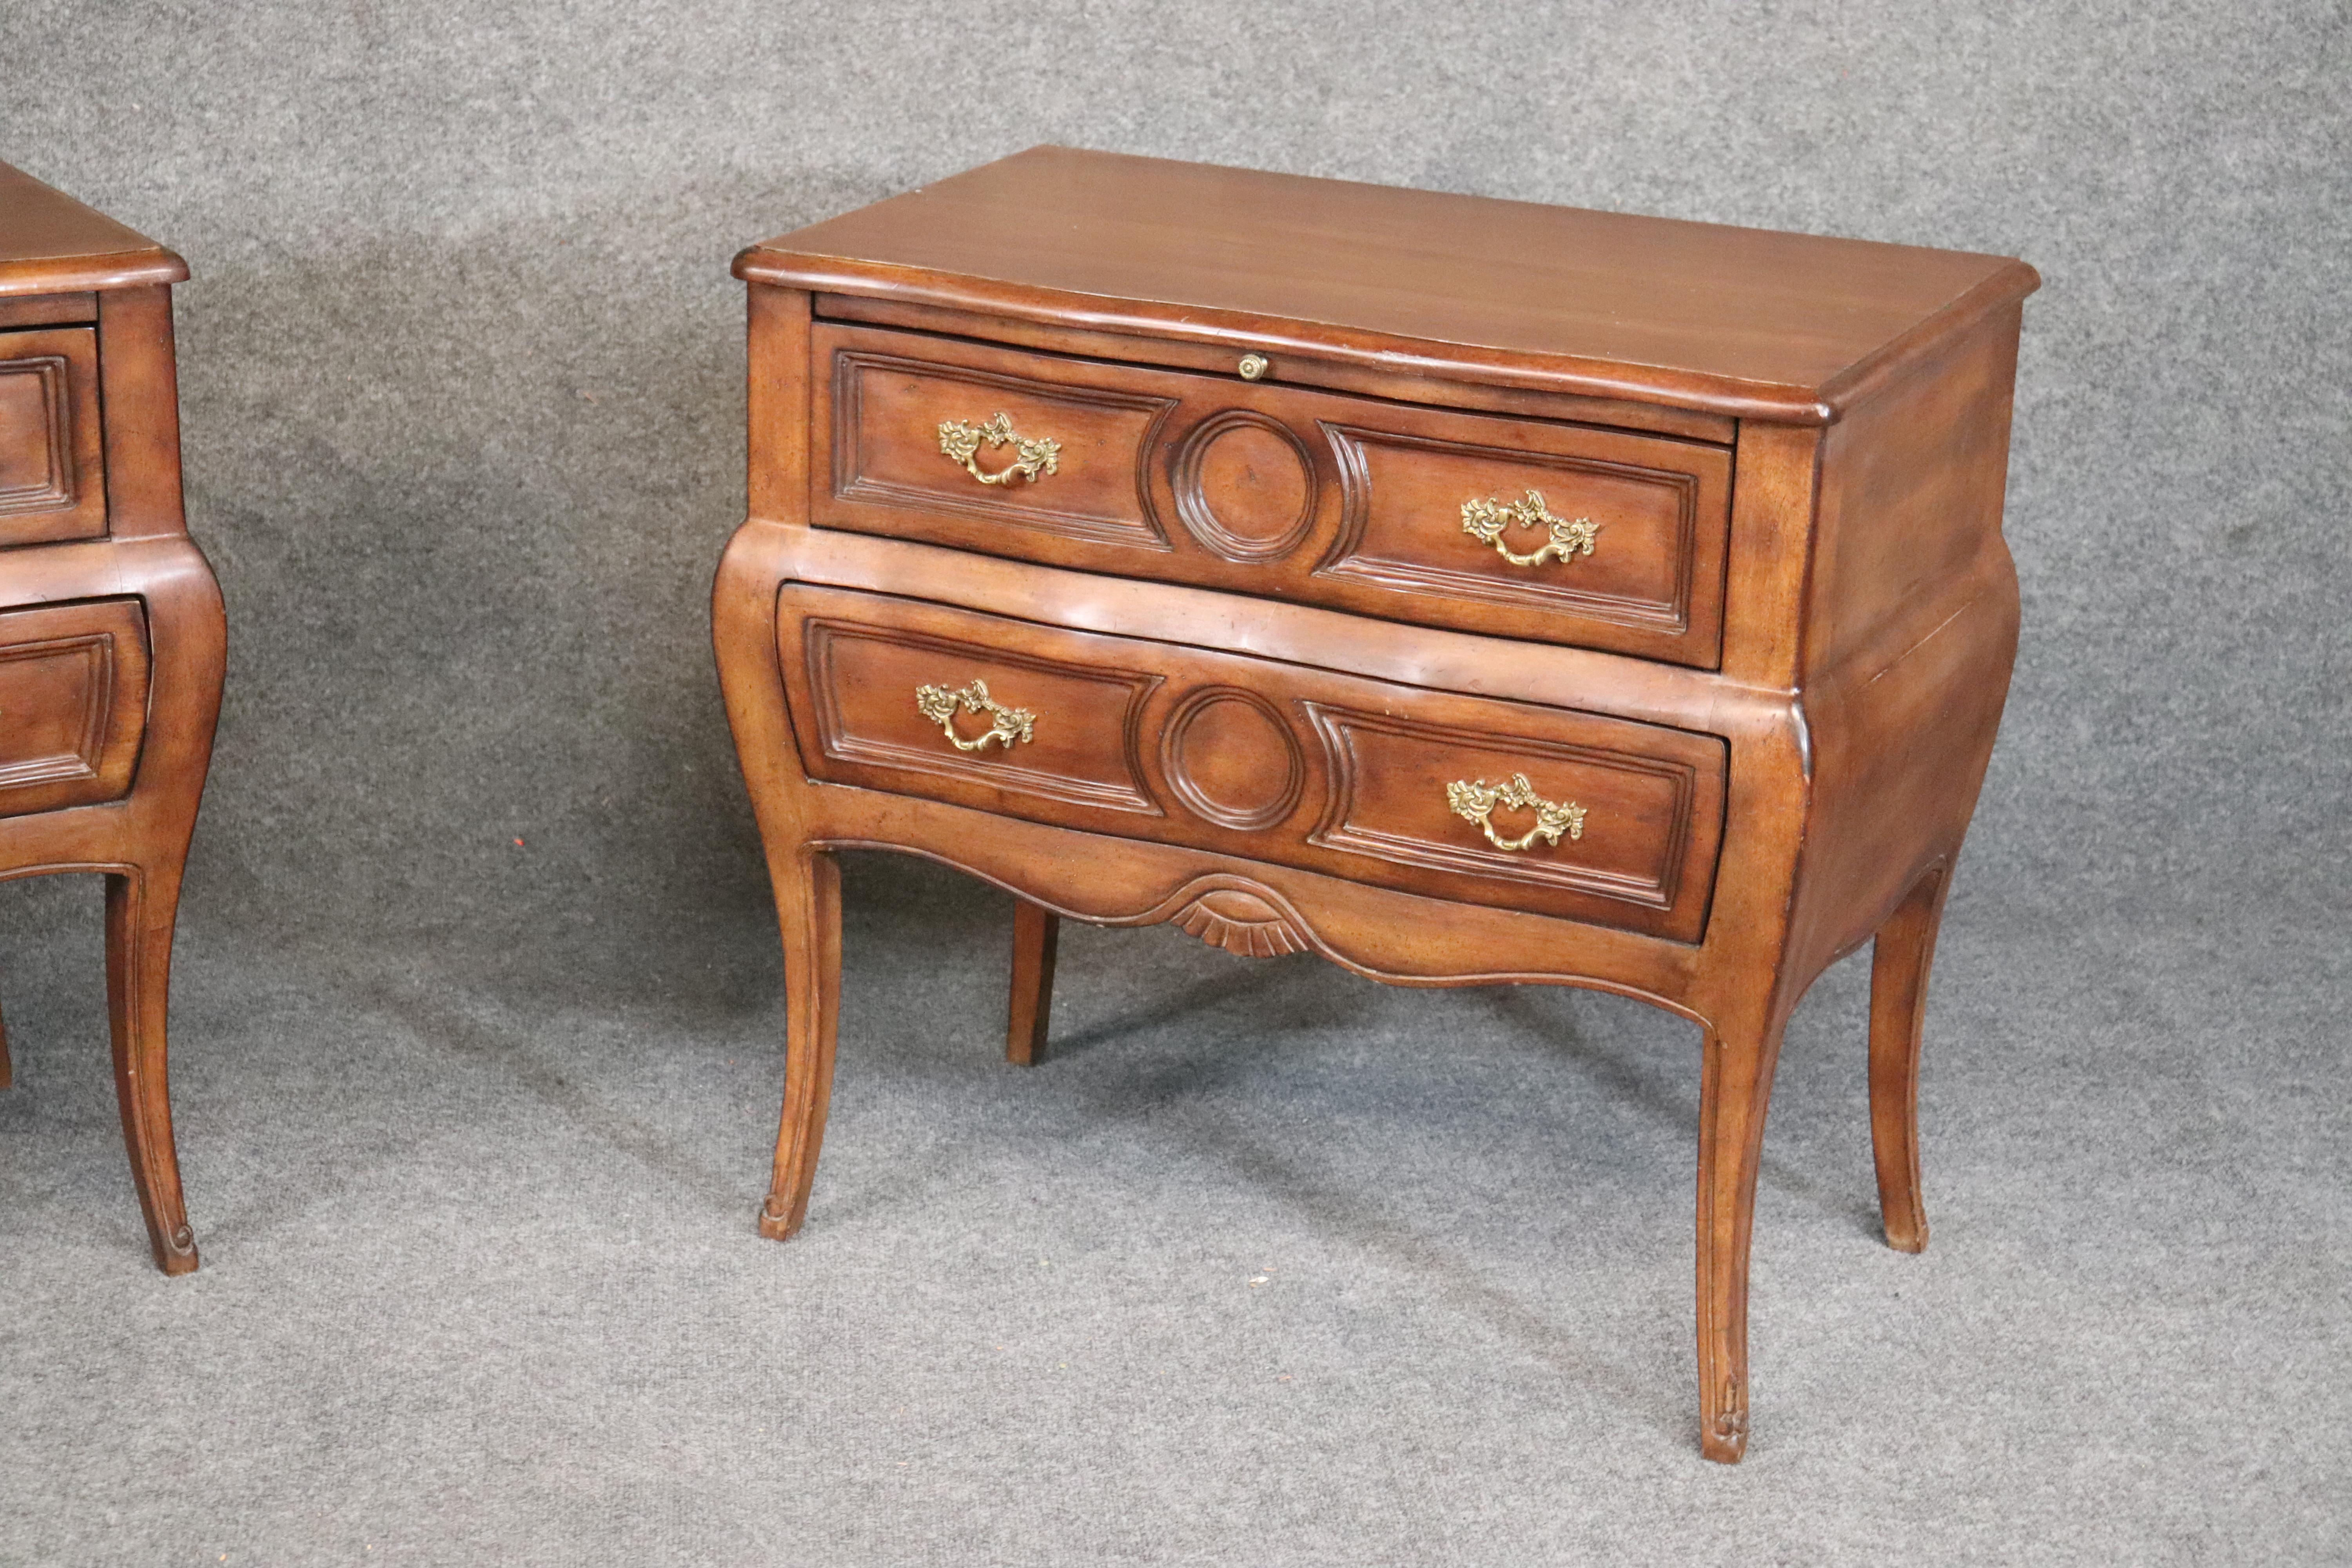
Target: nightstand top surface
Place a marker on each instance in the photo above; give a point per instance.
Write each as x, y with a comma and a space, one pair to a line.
1744, 321
52, 244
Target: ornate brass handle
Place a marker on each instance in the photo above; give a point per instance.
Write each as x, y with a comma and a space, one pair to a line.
962, 443
1485, 521
1475, 801
1005, 724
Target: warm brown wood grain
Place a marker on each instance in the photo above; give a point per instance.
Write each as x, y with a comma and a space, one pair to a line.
1737, 321
1036, 934
1359, 768
1388, 383
52, 457
47, 310
111, 646
1777, 730
1275, 491
1900, 958
73, 703
51, 244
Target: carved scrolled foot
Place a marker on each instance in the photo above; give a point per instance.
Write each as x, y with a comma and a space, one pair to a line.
1723, 1431
778, 1222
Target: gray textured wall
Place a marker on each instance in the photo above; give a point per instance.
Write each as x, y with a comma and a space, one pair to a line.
461, 366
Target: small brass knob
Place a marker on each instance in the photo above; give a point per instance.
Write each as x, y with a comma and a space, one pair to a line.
1253, 366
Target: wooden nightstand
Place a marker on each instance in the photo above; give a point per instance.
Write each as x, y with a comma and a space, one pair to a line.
111, 636
1466, 591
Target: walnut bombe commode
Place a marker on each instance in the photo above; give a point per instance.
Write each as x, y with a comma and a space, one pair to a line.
111, 635
1467, 591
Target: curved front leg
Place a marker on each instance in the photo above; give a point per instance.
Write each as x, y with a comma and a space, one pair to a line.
140, 908
1899, 961
808, 908
7, 1072
1735, 1086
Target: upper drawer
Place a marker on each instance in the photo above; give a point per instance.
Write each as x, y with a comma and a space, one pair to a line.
52, 476
1523, 528
73, 703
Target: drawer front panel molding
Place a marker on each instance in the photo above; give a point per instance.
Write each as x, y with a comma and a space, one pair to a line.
1272, 761
73, 702
1276, 490
897, 419
1626, 547
1078, 722
52, 468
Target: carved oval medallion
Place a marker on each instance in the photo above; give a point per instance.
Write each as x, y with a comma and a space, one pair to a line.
1230, 757
1246, 487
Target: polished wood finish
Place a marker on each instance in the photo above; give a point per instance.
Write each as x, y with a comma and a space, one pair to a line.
1899, 960
52, 245
1740, 322
1775, 735
73, 703
1382, 381
1279, 490
1311, 768
52, 465
1037, 935
111, 633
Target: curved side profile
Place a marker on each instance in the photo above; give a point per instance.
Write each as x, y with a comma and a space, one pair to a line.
113, 637
1275, 650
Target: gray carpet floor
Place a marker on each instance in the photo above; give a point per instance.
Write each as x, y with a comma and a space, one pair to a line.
1267, 1265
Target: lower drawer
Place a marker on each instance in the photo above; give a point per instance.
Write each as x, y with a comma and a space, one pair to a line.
1466, 798
73, 703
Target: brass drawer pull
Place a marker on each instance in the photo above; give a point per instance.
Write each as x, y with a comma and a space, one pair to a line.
962, 443
1485, 521
1475, 802
1005, 724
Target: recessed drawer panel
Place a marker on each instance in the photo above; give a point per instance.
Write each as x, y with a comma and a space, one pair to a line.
52, 470
1517, 527
913, 702
1591, 530
1551, 810
73, 703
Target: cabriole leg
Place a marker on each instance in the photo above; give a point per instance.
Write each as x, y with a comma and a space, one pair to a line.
140, 909
1036, 932
1735, 1085
1900, 958
808, 908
